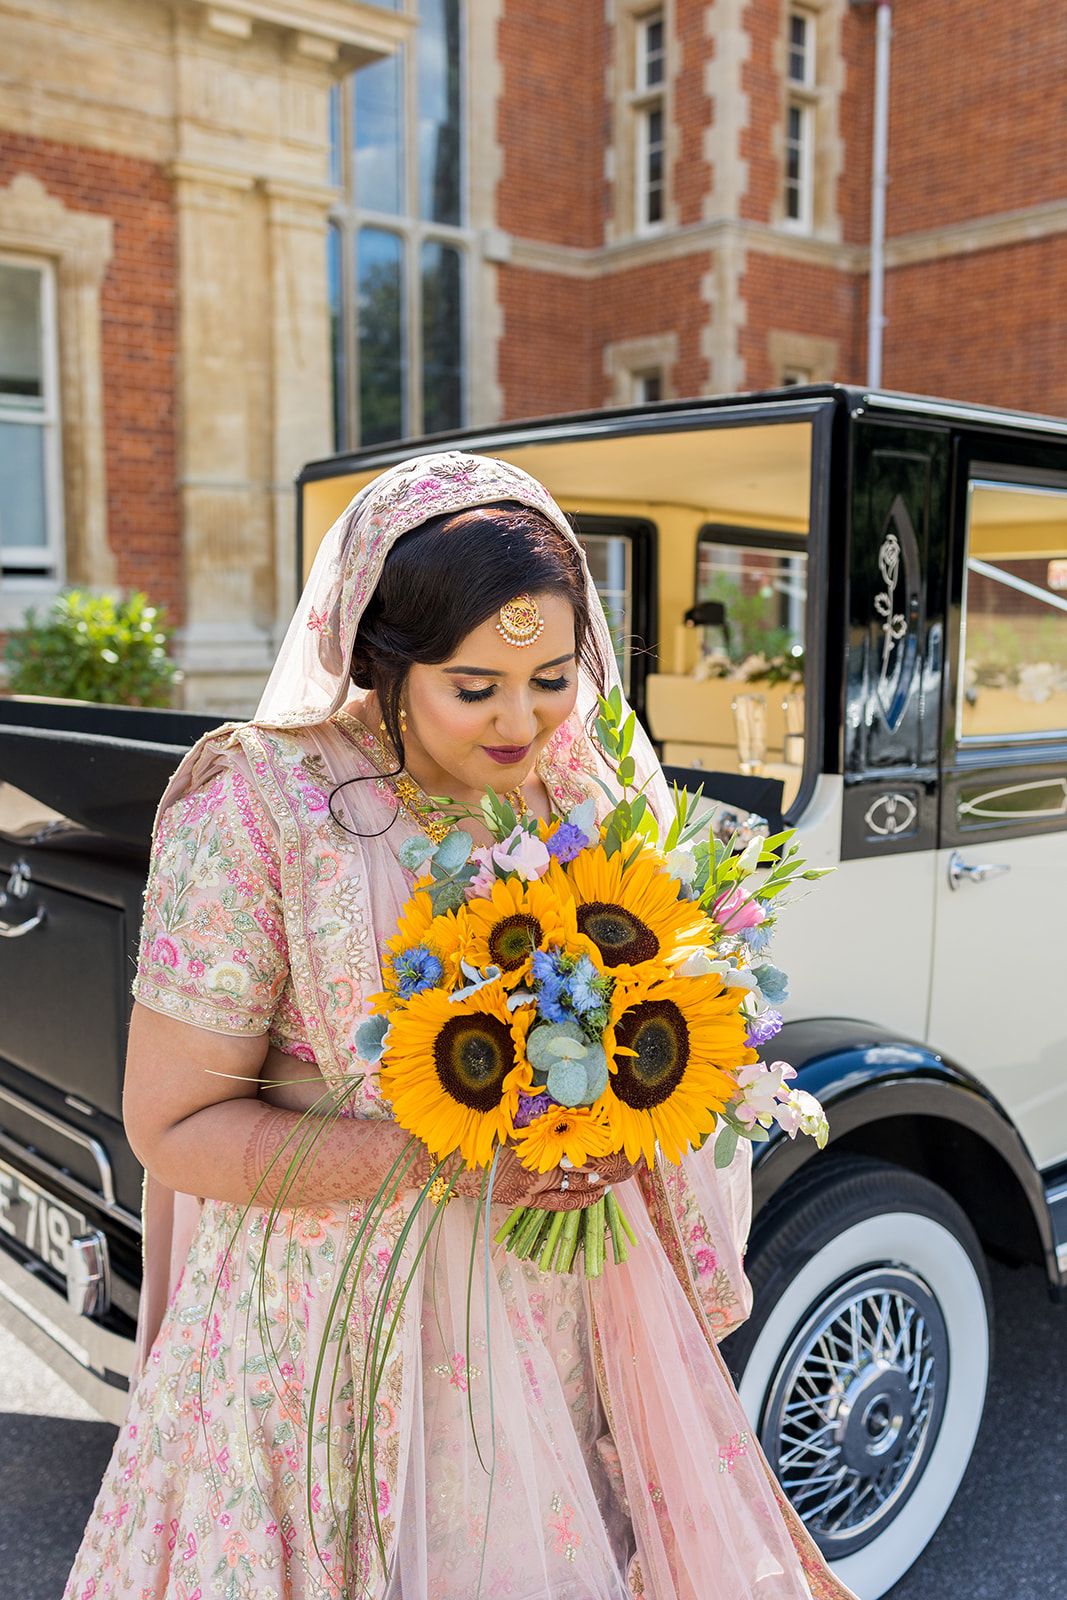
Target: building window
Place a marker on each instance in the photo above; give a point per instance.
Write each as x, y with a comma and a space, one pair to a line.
800, 121
399, 244
648, 386
650, 121
795, 377
30, 476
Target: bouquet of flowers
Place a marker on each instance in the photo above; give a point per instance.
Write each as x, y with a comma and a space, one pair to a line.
576, 989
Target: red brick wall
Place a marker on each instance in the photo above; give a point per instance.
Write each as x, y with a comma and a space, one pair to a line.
797, 297
692, 178
552, 121
986, 327
978, 105
761, 81
139, 336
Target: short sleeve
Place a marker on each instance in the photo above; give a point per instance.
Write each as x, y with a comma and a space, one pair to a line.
213, 950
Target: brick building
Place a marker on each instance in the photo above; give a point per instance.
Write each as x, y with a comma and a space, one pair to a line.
466, 210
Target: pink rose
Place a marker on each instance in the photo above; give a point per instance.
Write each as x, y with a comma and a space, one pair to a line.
734, 911
522, 853
165, 951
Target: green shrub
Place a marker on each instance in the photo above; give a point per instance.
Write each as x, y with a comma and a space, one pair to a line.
94, 647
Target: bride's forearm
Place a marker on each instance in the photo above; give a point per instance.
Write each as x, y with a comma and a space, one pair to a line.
244, 1151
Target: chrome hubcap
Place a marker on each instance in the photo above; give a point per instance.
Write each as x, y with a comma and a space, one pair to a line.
856, 1404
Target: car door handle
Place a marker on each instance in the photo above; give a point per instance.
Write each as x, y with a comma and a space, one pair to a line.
14, 930
959, 871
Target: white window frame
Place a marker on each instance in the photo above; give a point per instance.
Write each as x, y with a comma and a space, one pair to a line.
801, 97
413, 232
18, 561
645, 101
796, 377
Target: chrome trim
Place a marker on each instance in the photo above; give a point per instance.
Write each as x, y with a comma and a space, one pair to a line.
95, 1360
48, 1169
955, 413
1054, 1196
94, 1147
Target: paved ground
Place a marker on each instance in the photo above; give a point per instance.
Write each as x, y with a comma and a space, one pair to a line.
1004, 1539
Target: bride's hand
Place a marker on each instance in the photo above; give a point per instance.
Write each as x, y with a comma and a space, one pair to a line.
557, 1189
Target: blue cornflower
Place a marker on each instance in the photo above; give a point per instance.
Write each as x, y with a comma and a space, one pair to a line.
416, 969
758, 938
762, 1029
550, 990
584, 987
566, 842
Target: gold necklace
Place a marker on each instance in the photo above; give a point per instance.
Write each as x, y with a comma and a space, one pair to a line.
433, 823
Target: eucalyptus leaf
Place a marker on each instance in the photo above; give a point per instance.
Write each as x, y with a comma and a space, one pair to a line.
725, 1147
583, 817
454, 850
567, 1083
414, 852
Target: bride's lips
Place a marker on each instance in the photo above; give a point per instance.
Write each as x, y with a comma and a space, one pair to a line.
507, 755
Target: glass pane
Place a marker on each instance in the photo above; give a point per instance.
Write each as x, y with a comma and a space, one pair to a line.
1014, 649
794, 124
442, 338
440, 126
23, 519
334, 280
378, 122
653, 65
655, 127
792, 202
654, 211
336, 135
792, 164
382, 367
21, 353
764, 593
609, 558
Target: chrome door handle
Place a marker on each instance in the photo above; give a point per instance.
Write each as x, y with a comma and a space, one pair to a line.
960, 872
15, 930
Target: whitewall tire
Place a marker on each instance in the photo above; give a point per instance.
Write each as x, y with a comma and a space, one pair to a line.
865, 1363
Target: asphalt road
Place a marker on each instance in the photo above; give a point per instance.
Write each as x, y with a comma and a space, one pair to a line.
1005, 1537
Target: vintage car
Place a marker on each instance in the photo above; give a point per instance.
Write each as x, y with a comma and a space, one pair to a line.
841, 608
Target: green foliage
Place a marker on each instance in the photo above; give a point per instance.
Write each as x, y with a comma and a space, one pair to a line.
753, 630
94, 647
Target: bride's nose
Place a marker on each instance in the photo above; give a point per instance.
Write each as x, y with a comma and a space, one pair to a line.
516, 721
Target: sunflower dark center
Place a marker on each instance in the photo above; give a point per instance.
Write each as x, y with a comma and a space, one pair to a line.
513, 939
473, 1056
657, 1030
617, 933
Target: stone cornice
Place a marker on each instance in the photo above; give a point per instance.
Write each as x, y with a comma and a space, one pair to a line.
356, 32
965, 238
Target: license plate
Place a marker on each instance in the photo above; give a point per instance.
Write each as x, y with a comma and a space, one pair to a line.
37, 1220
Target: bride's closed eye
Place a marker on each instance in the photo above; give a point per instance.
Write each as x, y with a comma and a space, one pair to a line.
553, 685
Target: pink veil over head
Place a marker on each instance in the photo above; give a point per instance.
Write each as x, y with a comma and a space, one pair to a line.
699, 1214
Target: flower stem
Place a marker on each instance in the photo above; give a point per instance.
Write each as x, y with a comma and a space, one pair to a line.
551, 1239
568, 1243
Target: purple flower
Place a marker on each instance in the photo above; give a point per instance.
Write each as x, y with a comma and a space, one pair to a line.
761, 1030
415, 969
531, 1106
566, 842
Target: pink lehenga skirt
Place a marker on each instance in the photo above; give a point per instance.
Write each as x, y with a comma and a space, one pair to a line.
559, 1440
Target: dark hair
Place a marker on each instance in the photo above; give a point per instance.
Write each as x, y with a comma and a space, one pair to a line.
448, 576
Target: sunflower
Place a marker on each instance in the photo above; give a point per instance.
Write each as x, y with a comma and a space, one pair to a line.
578, 1132
673, 1047
632, 916
506, 927
453, 1070
418, 929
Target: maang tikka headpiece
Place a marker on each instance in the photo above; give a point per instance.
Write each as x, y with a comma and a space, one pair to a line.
520, 621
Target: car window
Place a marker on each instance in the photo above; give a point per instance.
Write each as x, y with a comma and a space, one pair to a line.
610, 558
1013, 652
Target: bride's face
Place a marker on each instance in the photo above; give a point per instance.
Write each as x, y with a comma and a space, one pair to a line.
482, 718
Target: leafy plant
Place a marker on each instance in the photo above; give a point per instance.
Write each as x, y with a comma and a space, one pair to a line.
94, 647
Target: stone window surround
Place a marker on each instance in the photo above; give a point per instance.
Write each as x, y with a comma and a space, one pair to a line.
626, 99
624, 359
806, 351
78, 244
823, 97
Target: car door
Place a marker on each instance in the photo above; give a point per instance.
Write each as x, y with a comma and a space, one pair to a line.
1000, 947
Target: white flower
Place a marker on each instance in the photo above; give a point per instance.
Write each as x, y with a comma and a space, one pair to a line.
763, 1087
227, 978
682, 864
748, 860
800, 1112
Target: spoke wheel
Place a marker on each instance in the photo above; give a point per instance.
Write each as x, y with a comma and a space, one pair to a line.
863, 1367
857, 1404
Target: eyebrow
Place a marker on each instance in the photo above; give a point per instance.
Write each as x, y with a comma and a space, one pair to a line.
488, 672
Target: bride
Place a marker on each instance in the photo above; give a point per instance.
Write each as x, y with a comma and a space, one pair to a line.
584, 1441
